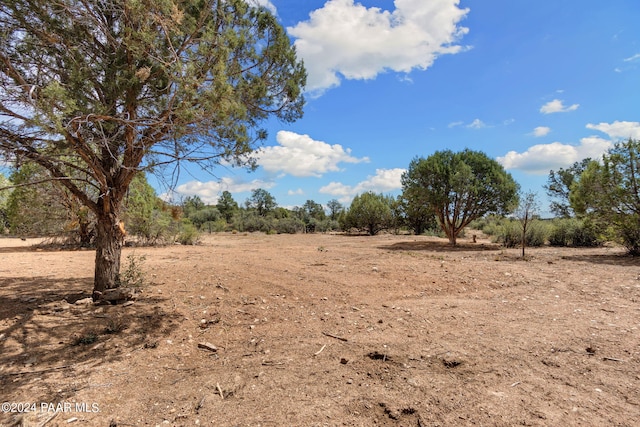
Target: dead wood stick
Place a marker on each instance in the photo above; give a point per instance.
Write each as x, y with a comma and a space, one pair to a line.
613, 359
45, 422
39, 371
335, 336
319, 351
220, 390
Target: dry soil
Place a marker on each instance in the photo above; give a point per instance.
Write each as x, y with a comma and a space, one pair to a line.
323, 330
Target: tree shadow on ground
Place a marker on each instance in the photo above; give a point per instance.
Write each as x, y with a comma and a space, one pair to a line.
440, 246
46, 338
621, 259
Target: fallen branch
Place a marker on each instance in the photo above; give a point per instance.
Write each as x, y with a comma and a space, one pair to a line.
613, 359
319, 351
45, 422
335, 336
39, 371
220, 390
207, 346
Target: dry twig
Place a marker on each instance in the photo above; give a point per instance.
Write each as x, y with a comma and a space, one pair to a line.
335, 336
319, 351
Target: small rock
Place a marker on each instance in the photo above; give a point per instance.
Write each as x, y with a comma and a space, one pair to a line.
84, 301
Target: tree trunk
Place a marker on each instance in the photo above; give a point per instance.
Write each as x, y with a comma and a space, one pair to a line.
109, 240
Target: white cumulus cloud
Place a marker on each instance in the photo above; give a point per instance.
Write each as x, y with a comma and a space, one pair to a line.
541, 158
541, 131
301, 156
346, 38
383, 181
557, 106
210, 191
618, 129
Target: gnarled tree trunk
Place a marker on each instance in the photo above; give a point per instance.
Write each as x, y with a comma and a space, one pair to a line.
109, 240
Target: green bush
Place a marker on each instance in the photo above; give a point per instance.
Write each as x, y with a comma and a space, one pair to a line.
537, 233
289, 225
573, 232
188, 234
509, 233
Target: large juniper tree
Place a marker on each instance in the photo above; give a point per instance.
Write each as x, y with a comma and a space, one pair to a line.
459, 187
102, 89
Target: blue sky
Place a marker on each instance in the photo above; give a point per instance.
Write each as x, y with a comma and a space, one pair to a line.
537, 85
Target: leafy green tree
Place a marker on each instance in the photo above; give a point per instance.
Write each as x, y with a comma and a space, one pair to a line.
46, 209
191, 205
369, 212
418, 216
559, 187
609, 193
459, 187
108, 88
335, 208
262, 201
227, 206
312, 214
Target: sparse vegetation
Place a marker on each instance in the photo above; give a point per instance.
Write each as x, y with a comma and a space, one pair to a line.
133, 274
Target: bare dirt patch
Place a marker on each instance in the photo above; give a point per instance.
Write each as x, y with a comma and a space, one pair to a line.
325, 330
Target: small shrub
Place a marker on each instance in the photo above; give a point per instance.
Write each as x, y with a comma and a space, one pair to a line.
289, 226
188, 234
86, 339
537, 233
573, 232
509, 233
115, 325
132, 275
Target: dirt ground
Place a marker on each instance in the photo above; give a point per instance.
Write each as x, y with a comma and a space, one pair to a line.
324, 330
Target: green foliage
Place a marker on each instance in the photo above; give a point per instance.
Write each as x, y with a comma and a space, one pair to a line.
335, 208
133, 274
573, 232
525, 213
262, 202
227, 206
86, 339
459, 187
369, 212
140, 205
40, 207
508, 232
188, 233
4, 201
418, 216
559, 187
96, 91
608, 194
288, 226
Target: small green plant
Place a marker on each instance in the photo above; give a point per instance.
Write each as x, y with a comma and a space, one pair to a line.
188, 234
86, 339
133, 276
115, 325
